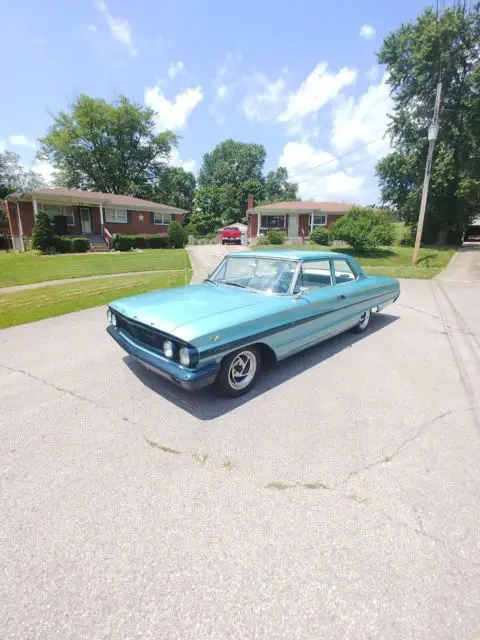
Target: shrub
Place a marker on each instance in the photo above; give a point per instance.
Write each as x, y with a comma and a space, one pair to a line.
177, 236
158, 241
191, 229
408, 238
123, 242
62, 244
364, 229
275, 237
80, 245
320, 236
42, 237
140, 242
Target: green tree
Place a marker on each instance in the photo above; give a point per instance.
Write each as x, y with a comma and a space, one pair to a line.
177, 236
175, 187
416, 56
207, 209
278, 187
364, 229
42, 237
113, 148
15, 177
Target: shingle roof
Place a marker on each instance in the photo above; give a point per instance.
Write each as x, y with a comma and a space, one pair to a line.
94, 196
302, 207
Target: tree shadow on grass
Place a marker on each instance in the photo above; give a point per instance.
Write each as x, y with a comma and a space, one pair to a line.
373, 253
207, 405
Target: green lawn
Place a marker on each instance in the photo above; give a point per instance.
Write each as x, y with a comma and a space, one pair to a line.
23, 268
389, 261
53, 300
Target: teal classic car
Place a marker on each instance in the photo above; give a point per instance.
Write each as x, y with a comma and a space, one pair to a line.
256, 305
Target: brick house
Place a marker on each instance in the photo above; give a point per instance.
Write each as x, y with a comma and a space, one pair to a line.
295, 219
87, 213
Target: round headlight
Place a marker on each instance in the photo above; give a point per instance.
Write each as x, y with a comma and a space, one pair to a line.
109, 316
168, 348
114, 320
184, 356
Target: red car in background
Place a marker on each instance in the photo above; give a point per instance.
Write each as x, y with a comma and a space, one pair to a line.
231, 235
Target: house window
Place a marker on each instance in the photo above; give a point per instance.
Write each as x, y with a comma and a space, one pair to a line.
272, 222
318, 220
114, 215
162, 218
53, 210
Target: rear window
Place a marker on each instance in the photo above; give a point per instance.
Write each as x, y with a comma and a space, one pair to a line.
230, 229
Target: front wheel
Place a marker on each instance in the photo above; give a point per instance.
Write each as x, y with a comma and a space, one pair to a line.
363, 322
239, 372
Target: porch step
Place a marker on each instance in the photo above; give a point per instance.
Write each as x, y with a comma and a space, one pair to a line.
96, 247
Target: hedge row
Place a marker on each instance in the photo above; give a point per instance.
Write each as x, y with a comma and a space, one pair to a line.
124, 242
64, 244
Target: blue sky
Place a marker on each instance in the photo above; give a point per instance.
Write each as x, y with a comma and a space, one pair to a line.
300, 78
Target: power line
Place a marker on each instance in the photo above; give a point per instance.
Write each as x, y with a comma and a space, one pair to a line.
335, 158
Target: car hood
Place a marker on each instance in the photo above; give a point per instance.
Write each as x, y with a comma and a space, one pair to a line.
170, 309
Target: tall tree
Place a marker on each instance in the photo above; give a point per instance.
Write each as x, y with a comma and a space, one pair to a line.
278, 187
417, 56
15, 177
175, 187
113, 148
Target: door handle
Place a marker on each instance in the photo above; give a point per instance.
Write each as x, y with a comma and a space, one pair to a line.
341, 297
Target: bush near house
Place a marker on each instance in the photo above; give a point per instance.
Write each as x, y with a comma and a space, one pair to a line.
42, 236
62, 244
126, 242
177, 235
320, 236
275, 237
80, 245
364, 229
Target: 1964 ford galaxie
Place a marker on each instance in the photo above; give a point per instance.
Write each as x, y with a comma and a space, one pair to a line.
256, 304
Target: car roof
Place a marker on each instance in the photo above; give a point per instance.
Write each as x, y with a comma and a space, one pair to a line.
291, 254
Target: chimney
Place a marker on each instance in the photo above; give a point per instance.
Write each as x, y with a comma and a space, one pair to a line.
249, 202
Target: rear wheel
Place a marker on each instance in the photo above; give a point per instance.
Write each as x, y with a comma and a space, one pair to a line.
363, 322
239, 372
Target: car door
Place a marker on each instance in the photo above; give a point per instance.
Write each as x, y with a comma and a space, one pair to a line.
314, 306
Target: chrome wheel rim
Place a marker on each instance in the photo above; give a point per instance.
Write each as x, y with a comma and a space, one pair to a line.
242, 370
364, 318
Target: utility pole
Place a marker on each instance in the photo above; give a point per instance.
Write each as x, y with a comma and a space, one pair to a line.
432, 138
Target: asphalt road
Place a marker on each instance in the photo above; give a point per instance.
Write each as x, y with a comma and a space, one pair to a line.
106, 532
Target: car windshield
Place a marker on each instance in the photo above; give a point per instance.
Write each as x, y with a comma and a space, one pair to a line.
269, 275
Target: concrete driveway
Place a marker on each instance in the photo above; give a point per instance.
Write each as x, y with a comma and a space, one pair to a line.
339, 500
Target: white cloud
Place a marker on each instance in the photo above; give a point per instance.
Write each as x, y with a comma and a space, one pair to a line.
269, 100
177, 161
45, 169
119, 29
222, 91
318, 88
172, 114
320, 175
367, 31
372, 73
21, 141
264, 99
358, 121
175, 69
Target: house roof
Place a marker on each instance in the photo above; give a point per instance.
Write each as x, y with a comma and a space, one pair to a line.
93, 197
302, 207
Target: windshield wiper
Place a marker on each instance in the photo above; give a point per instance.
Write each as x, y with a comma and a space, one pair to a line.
237, 284
210, 280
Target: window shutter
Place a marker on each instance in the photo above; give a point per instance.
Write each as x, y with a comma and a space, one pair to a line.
129, 217
152, 218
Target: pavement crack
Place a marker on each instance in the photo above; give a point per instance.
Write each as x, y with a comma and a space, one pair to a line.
425, 313
403, 445
73, 394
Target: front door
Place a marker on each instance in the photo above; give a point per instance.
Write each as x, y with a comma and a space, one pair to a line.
292, 226
86, 220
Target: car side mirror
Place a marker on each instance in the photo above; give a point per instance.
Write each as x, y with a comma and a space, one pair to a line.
303, 291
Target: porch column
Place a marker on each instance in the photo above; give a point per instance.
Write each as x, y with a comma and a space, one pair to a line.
311, 222
102, 222
35, 210
20, 228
